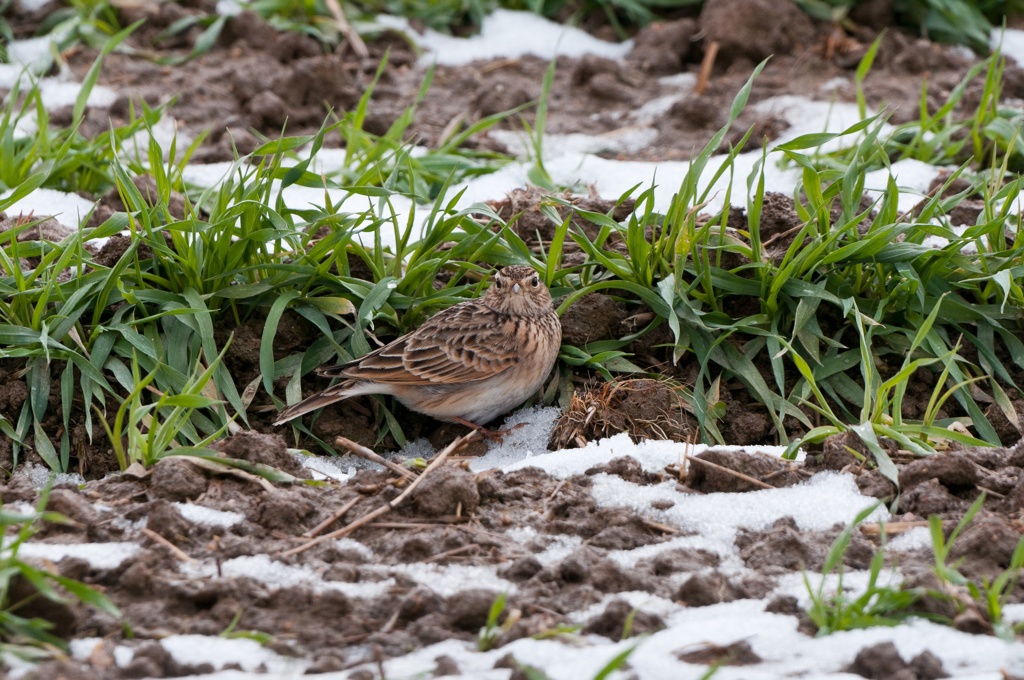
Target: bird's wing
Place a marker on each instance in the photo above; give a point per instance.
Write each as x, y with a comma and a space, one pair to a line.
462, 344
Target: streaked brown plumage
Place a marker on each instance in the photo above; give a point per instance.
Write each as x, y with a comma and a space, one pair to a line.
471, 362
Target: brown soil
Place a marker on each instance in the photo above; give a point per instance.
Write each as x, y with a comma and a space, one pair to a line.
460, 518
257, 80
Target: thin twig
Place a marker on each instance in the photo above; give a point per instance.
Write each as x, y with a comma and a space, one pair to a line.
706, 67
990, 492
658, 526
175, 550
363, 452
892, 527
436, 522
554, 493
390, 505
452, 552
389, 626
315, 531
345, 28
734, 473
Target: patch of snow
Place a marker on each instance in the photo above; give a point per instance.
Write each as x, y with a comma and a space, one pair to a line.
229, 8
807, 116
83, 648
323, 467
912, 177
208, 174
278, 575
449, 579
41, 476
164, 132
58, 94
99, 555
621, 140
915, 539
420, 448
1013, 612
637, 599
67, 208
1011, 40
786, 652
33, 5
654, 109
817, 504
33, 54
218, 651
652, 455
530, 430
508, 34
200, 514
837, 83
548, 548
350, 544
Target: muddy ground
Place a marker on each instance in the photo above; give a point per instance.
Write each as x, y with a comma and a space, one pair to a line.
255, 82
191, 577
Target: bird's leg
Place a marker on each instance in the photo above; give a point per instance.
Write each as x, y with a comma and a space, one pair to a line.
495, 436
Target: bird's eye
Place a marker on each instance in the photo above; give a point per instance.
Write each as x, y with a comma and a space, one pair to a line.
497, 283
536, 282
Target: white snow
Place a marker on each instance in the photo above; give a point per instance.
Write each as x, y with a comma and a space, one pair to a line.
507, 34
529, 431
218, 651
786, 652
911, 176
41, 476
30, 57
67, 208
1012, 42
57, 94
450, 579
99, 555
202, 515
917, 538
278, 575
322, 467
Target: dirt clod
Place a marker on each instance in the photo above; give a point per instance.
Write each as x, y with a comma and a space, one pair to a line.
445, 490
883, 662
755, 29
619, 621
702, 590
768, 470
664, 47
953, 470
177, 479
469, 609
735, 654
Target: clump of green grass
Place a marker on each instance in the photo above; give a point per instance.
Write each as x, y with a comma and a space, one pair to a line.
834, 609
838, 320
959, 22
989, 596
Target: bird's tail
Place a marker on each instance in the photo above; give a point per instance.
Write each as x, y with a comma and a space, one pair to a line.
328, 396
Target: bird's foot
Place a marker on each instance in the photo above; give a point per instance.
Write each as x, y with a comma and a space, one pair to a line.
496, 436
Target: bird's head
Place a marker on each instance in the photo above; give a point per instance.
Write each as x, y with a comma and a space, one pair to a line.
518, 290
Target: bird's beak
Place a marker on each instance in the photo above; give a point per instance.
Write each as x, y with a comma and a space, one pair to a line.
516, 288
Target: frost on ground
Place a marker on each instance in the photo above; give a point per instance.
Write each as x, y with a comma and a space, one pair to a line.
603, 532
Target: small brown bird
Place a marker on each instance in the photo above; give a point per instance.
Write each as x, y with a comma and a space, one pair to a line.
469, 363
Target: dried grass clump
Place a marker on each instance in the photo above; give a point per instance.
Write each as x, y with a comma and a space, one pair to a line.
643, 408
